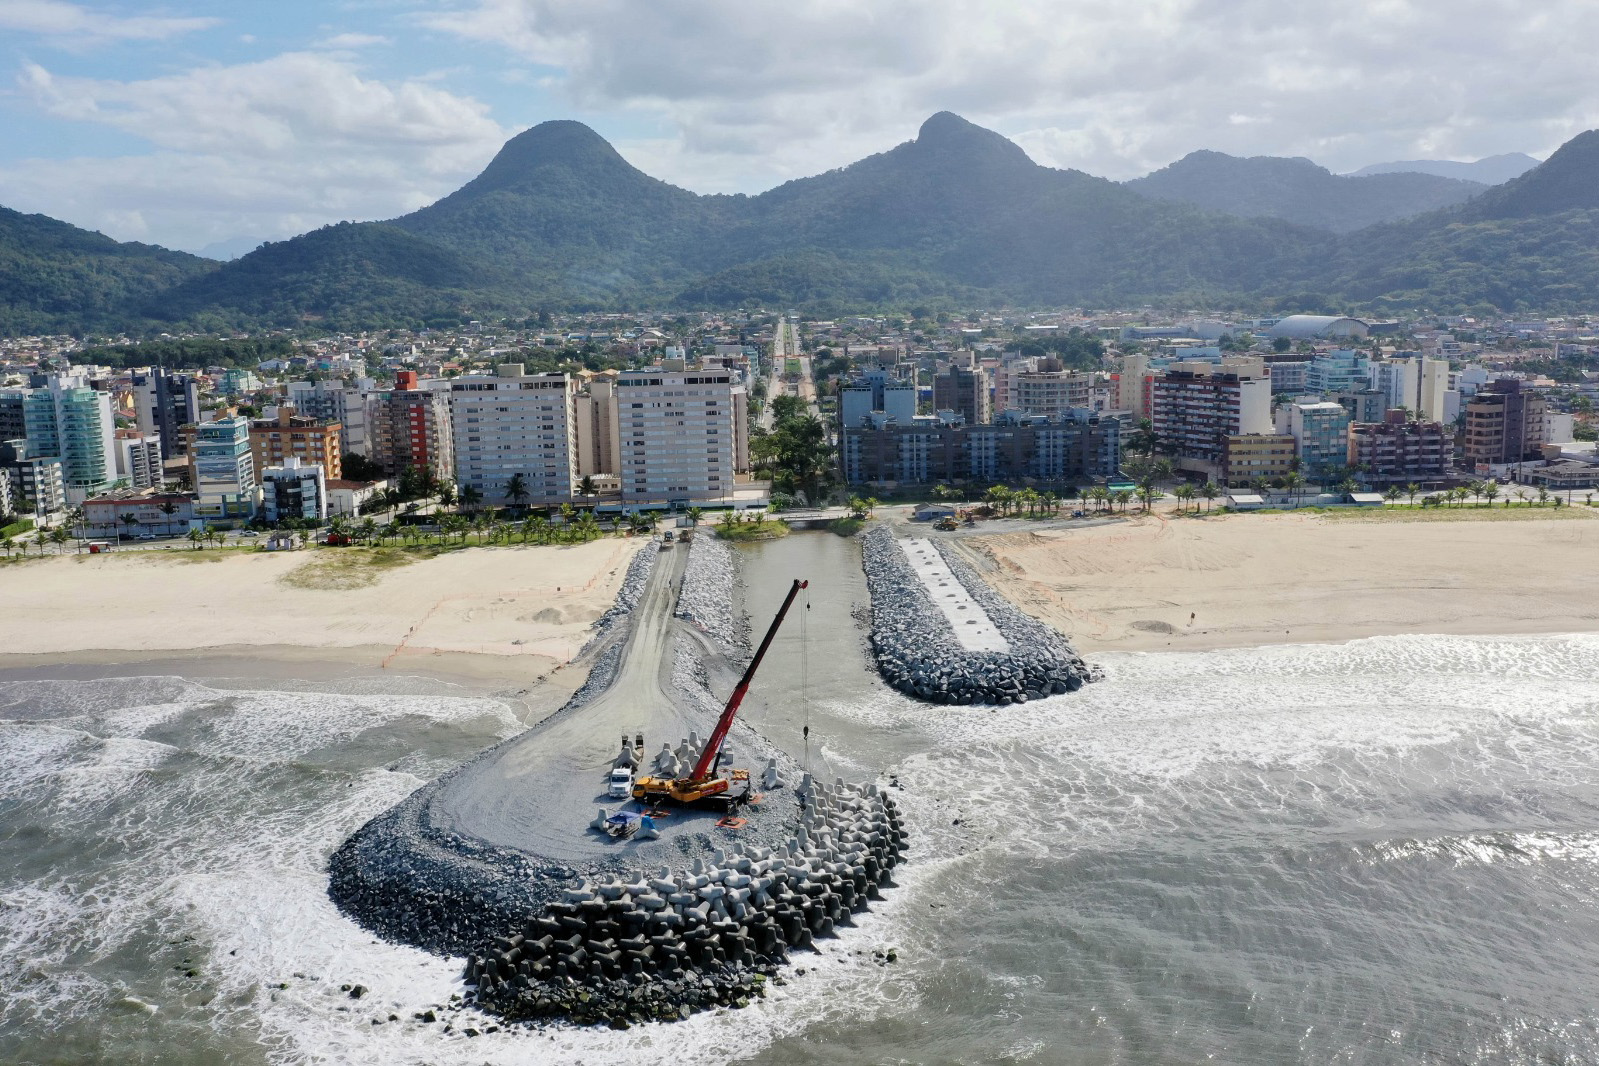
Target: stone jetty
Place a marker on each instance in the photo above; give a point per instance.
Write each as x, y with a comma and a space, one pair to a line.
919, 652
557, 920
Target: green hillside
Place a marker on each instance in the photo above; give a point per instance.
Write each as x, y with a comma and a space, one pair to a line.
57, 278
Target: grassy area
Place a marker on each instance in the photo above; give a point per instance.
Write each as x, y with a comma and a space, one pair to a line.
765, 529
335, 569
1469, 513
846, 527
17, 528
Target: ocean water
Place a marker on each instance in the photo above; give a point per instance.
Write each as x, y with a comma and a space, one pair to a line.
1382, 852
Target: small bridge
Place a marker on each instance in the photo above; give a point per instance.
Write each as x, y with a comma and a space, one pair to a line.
813, 517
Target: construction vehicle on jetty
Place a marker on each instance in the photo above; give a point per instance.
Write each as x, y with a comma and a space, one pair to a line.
705, 785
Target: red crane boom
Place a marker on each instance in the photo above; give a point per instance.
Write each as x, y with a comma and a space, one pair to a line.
713, 746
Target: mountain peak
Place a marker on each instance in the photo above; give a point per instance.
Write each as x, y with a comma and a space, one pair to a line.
1567, 180
562, 142
946, 133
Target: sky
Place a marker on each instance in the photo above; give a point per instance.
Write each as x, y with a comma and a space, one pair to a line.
214, 124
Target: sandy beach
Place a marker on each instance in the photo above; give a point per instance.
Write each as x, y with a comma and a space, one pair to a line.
503, 614
1153, 583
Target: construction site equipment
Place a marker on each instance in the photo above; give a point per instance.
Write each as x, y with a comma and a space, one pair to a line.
704, 784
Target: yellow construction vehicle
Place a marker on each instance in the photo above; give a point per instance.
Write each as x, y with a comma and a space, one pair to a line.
704, 784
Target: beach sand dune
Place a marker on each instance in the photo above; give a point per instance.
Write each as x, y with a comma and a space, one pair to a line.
1159, 583
515, 611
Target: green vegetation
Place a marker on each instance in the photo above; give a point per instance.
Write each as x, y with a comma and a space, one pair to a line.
57, 278
191, 353
754, 526
847, 527
16, 528
795, 454
350, 568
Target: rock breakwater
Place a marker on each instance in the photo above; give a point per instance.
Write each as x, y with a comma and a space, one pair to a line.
661, 946
917, 651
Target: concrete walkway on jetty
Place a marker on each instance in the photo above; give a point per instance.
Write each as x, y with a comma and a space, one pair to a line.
539, 793
972, 626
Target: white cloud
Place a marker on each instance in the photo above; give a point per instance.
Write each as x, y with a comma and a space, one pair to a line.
75, 24
350, 41
269, 149
757, 91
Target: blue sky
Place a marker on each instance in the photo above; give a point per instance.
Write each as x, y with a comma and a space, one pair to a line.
197, 123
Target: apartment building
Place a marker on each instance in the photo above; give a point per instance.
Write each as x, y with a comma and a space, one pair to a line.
292, 435
1251, 457
876, 391
1320, 432
678, 436
336, 401
1504, 424
1195, 407
599, 440
294, 490
409, 427
1064, 449
1337, 371
1398, 451
35, 482
71, 421
1041, 386
163, 401
138, 458
222, 468
510, 423
964, 389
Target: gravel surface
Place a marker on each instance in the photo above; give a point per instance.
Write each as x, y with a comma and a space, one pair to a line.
917, 651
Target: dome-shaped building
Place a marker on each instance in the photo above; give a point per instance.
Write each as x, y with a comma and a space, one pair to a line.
1309, 327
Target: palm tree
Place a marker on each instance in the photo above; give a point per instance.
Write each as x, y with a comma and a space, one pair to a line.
585, 488
197, 538
215, 535
1392, 493
1412, 490
516, 489
694, 515
470, 497
1183, 492
1490, 491
130, 520
1210, 490
1543, 495
59, 537
1475, 488
169, 509
8, 545
1123, 498
1293, 481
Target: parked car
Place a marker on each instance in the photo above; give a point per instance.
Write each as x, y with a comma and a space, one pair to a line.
249, 533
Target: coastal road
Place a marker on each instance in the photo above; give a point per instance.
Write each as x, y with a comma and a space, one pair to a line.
539, 792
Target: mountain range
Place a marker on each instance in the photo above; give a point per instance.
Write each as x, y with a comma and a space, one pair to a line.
959, 216
1494, 170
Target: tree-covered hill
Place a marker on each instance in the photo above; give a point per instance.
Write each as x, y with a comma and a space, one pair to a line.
1297, 190
57, 278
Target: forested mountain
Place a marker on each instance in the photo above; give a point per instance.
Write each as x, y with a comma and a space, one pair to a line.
958, 216
55, 277
1531, 244
559, 219
1495, 170
1297, 190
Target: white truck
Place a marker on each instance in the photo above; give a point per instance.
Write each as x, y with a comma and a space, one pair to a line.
619, 785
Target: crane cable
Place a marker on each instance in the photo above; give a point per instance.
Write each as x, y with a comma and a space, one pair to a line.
805, 676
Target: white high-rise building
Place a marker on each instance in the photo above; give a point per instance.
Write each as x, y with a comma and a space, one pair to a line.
514, 423
679, 436
138, 457
335, 401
